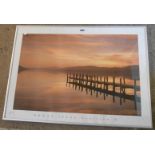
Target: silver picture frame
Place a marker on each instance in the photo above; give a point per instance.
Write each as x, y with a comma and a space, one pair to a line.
144, 120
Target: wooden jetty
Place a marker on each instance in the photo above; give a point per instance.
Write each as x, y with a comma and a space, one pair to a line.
101, 84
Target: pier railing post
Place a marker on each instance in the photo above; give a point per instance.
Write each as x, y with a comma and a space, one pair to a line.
135, 91
120, 90
124, 83
113, 88
107, 85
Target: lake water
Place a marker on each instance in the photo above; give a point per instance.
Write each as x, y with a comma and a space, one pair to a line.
48, 91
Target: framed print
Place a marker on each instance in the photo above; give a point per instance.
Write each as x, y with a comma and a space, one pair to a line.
87, 75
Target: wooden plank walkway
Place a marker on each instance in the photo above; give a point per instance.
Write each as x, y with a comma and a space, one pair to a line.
99, 80
101, 84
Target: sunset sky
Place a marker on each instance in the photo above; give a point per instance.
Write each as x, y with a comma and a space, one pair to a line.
43, 51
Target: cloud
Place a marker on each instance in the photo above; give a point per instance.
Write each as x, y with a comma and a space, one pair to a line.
70, 50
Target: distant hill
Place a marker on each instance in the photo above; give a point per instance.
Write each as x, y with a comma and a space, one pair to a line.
129, 71
21, 68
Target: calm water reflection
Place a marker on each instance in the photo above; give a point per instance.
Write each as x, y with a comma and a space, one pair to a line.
48, 91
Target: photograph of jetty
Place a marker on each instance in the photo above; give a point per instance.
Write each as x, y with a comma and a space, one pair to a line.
73, 73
